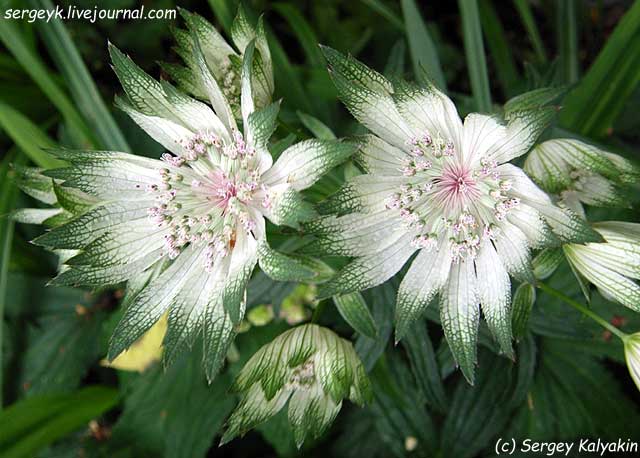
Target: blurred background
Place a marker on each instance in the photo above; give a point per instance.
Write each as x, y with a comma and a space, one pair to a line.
57, 89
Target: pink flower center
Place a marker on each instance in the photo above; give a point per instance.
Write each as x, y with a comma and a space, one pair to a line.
456, 186
217, 187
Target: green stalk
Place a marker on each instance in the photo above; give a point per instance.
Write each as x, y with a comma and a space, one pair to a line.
524, 10
567, 30
7, 202
584, 310
474, 49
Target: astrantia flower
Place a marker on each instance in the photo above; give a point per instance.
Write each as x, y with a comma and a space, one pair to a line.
186, 230
443, 189
632, 356
309, 366
222, 59
579, 173
613, 266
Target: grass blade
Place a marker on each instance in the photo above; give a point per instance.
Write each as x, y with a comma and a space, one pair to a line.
499, 48
16, 43
592, 107
286, 76
524, 10
225, 11
31, 424
303, 31
474, 49
386, 12
567, 30
27, 136
8, 195
421, 47
81, 85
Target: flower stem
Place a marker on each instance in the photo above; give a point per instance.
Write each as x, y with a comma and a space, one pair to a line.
583, 309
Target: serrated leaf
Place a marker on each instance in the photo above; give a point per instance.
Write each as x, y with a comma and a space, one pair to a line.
174, 413
424, 365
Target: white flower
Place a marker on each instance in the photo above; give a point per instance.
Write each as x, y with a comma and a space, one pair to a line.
611, 266
222, 59
632, 356
309, 366
186, 231
446, 190
580, 173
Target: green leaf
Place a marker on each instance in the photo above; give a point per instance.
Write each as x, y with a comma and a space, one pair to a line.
567, 38
7, 226
478, 413
382, 300
424, 365
60, 352
16, 42
286, 75
383, 10
424, 55
83, 90
398, 408
592, 107
354, 310
303, 32
316, 127
30, 425
224, 11
573, 395
27, 136
523, 300
499, 48
474, 49
174, 412
526, 16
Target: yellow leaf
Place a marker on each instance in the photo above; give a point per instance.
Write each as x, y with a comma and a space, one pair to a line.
144, 351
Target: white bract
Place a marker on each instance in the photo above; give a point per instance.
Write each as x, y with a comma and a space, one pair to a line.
310, 367
224, 62
579, 173
442, 188
613, 266
632, 356
186, 231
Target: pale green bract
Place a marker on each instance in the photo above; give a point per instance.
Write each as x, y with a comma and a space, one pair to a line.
632, 356
445, 190
222, 59
613, 266
186, 231
310, 367
579, 173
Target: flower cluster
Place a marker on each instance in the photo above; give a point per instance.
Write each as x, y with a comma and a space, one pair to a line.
446, 190
185, 231
310, 367
224, 62
579, 173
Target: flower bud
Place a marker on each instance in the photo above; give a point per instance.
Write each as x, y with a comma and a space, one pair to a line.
309, 366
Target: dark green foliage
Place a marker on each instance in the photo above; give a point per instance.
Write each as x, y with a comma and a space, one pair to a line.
568, 380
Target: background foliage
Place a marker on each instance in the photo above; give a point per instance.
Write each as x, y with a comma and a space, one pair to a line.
569, 382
